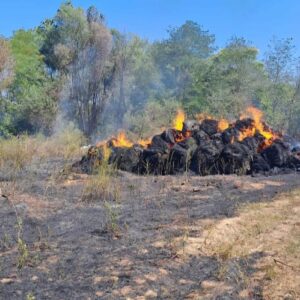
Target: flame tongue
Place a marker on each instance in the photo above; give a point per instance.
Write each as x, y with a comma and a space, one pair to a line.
257, 116
144, 143
223, 125
248, 127
257, 126
180, 133
179, 119
246, 132
121, 140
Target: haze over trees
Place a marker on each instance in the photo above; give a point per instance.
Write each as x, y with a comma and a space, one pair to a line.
75, 67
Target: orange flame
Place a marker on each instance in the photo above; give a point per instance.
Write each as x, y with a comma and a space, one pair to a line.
256, 126
223, 125
247, 132
202, 116
179, 119
179, 137
144, 143
121, 140
257, 116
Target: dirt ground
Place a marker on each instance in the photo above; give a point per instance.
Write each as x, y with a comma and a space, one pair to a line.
152, 243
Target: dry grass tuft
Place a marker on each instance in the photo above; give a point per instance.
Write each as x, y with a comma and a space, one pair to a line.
16, 153
269, 228
103, 186
66, 144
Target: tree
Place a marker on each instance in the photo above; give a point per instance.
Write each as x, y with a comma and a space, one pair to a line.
135, 75
65, 36
6, 78
122, 57
279, 59
294, 109
6, 64
33, 92
145, 78
176, 56
78, 46
228, 81
93, 15
280, 99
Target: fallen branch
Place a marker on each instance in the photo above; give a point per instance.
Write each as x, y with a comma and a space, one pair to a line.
277, 261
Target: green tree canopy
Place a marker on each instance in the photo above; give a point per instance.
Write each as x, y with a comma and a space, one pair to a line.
32, 93
228, 81
176, 55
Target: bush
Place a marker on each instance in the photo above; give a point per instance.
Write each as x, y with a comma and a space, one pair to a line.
16, 153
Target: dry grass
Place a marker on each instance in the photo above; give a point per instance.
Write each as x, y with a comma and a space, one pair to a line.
66, 144
270, 228
17, 153
19, 157
103, 186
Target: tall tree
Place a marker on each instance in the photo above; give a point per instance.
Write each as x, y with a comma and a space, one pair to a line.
32, 92
6, 78
6, 64
78, 46
145, 78
280, 99
176, 55
136, 74
228, 81
122, 57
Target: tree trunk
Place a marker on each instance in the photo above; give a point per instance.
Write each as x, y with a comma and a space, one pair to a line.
121, 109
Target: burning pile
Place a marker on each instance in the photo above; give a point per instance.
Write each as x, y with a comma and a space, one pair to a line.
206, 147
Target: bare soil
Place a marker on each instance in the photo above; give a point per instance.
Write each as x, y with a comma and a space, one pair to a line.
150, 244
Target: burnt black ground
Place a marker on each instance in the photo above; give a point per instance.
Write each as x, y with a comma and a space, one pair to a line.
74, 254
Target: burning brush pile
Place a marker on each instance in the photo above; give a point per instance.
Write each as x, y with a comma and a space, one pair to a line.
205, 147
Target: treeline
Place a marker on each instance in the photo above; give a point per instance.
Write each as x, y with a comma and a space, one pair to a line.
73, 67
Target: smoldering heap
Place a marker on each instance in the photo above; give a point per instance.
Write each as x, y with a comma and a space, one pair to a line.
204, 147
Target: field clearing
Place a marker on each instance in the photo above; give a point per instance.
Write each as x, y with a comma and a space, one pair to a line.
148, 237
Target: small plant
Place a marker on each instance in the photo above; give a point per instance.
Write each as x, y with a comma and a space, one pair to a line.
293, 246
30, 296
222, 271
224, 251
22, 247
185, 239
112, 218
5, 242
23, 253
270, 271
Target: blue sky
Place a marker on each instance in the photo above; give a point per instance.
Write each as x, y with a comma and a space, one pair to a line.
256, 20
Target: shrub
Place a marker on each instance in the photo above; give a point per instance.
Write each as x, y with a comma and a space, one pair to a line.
16, 153
103, 185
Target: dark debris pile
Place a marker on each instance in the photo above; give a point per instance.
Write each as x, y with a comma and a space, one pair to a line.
201, 148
